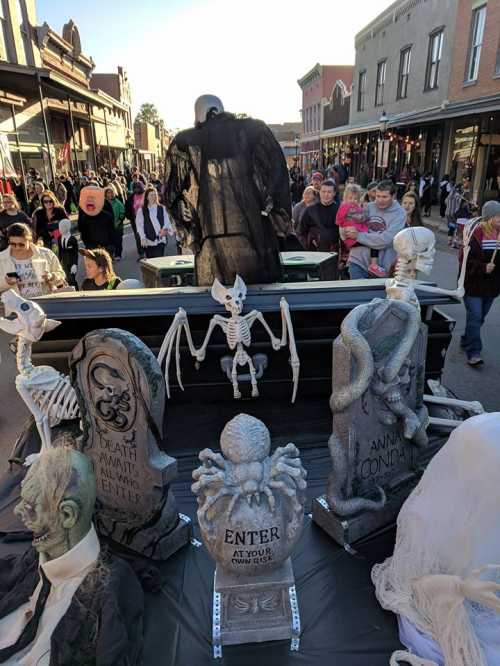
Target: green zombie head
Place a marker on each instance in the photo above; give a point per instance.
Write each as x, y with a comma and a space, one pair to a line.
57, 500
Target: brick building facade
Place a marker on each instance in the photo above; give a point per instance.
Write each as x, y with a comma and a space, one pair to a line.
474, 146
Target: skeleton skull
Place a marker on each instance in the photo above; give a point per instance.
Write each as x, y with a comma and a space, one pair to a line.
231, 298
24, 318
416, 246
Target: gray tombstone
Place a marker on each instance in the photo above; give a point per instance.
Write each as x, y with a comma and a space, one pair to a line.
379, 419
121, 392
251, 511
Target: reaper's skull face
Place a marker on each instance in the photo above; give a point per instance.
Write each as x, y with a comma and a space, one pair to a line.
24, 318
57, 500
233, 298
417, 247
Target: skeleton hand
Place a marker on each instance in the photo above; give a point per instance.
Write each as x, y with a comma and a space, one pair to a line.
484, 592
74, 269
409, 658
144, 242
276, 343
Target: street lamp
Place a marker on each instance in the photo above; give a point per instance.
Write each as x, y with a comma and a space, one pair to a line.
383, 122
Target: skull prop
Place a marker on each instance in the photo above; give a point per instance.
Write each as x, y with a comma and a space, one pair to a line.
232, 299
57, 500
91, 200
416, 246
24, 318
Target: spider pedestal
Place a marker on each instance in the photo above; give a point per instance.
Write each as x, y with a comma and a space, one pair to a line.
254, 609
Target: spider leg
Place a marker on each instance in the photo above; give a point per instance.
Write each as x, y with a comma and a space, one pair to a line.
270, 498
233, 501
207, 504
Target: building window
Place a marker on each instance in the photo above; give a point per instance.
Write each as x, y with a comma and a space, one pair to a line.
3, 32
404, 72
24, 34
477, 34
379, 91
434, 59
361, 91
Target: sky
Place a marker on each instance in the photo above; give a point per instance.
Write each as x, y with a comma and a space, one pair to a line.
249, 53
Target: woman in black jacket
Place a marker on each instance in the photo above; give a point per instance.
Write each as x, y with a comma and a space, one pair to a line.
482, 279
134, 202
46, 219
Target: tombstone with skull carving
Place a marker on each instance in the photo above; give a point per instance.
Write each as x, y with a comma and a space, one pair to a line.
250, 513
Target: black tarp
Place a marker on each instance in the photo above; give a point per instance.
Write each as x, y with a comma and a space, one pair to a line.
342, 622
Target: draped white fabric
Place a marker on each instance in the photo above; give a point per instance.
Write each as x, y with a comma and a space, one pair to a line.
448, 527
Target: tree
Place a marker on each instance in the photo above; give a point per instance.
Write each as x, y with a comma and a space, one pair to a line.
147, 113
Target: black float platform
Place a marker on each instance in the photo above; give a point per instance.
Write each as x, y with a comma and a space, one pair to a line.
342, 622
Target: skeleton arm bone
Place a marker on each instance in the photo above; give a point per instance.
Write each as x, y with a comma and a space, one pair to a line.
216, 320
254, 316
172, 337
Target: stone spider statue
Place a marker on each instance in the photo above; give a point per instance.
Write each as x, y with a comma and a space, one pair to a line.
64, 601
47, 393
248, 497
238, 331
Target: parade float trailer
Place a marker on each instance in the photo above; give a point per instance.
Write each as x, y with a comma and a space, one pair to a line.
339, 615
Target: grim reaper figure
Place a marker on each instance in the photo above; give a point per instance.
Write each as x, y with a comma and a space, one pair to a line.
227, 188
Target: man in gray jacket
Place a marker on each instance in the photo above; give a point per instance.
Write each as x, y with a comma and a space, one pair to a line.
385, 218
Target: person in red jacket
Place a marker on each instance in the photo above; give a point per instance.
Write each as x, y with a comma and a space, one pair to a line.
482, 279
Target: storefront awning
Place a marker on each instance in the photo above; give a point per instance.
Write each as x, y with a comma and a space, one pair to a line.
445, 111
23, 81
345, 130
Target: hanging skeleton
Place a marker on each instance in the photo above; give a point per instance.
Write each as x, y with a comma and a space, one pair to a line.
47, 393
415, 247
238, 331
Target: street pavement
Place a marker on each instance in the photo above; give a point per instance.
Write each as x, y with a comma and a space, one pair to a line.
481, 384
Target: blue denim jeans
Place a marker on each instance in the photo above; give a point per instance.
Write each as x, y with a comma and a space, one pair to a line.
357, 273
476, 308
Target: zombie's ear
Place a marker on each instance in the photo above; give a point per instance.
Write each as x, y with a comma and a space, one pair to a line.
240, 287
219, 292
69, 513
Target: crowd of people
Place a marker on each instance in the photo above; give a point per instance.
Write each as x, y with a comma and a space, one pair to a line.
35, 226
39, 251
361, 223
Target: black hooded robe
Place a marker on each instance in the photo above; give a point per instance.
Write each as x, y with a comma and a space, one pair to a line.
220, 177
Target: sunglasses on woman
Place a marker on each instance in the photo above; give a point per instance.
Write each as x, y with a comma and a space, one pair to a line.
47, 201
